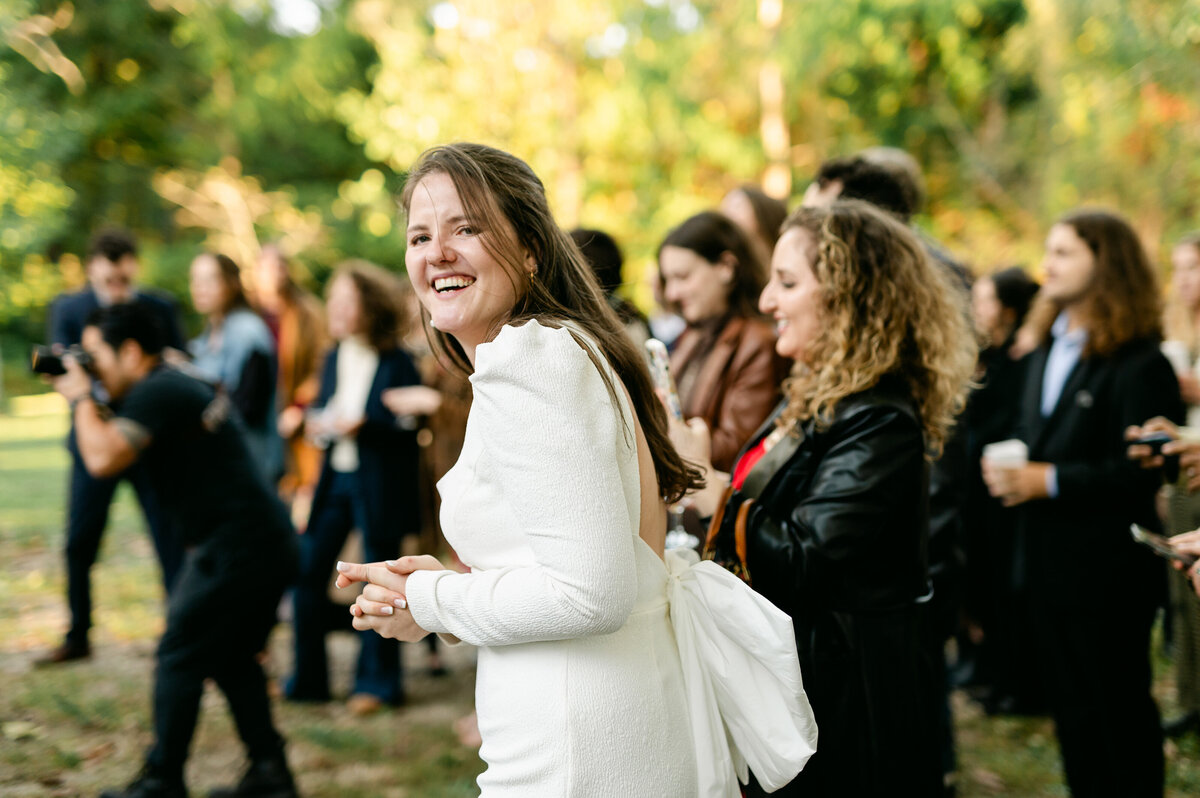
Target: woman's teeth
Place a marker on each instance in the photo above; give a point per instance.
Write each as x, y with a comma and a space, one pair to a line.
452, 283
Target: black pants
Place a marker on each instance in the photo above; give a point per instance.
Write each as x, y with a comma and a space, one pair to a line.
378, 670
218, 618
87, 515
1098, 679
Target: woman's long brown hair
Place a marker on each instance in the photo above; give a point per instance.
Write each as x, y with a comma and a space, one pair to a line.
1123, 303
507, 202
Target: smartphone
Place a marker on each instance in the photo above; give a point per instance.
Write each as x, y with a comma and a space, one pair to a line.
660, 372
1154, 440
1160, 546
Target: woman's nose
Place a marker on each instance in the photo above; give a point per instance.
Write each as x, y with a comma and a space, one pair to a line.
766, 300
441, 252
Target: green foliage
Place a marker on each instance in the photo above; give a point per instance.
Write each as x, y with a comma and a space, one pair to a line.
199, 123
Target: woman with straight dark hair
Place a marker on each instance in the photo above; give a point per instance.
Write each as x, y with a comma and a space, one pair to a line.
237, 351
724, 363
1097, 370
587, 628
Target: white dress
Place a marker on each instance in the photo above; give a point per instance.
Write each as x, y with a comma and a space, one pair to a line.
580, 689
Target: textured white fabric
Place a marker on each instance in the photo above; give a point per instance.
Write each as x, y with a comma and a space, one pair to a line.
580, 689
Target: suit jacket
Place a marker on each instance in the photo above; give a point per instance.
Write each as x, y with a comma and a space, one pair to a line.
69, 314
388, 472
1077, 547
737, 385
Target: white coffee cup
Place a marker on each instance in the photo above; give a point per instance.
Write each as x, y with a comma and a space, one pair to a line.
1012, 453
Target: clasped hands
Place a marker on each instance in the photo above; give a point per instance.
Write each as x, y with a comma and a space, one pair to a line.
382, 606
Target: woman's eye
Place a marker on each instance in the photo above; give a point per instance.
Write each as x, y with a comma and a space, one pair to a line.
782, 284
420, 238
466, 230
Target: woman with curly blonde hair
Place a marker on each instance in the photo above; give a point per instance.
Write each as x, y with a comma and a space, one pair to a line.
826, 514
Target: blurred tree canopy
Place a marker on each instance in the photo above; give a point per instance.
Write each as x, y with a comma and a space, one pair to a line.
228, 123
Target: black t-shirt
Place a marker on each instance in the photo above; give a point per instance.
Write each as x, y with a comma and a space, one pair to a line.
197, 459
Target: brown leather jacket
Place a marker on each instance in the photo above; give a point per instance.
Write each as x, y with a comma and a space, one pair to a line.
737, 384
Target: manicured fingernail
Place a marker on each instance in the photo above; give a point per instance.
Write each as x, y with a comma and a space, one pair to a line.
401, 603
341, 566
387, 610
391, 563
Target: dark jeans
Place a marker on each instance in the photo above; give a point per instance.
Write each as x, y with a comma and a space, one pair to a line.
1098, 678
378, 671
87, 515
218, 619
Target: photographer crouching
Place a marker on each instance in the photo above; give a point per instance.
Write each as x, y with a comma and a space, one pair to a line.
221, 609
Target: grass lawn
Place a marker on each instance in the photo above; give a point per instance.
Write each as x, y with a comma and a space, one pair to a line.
76, 729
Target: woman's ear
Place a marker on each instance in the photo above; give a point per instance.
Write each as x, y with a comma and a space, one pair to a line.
726, 266
531, 264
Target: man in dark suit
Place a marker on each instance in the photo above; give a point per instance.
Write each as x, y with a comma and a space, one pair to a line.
112, 265
1097, 370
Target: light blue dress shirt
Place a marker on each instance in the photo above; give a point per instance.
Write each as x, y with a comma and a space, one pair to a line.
1065, 353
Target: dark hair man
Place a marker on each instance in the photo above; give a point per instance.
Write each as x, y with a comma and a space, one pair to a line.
112, 265
221, 608
856, 177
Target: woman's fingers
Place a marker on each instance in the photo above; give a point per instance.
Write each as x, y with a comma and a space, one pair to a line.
368, 607
376, 573
382, 595
1160, 424
417, 562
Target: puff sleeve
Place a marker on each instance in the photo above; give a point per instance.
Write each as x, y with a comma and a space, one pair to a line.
557, 451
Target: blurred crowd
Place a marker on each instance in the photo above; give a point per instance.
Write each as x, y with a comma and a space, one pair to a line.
1034, 596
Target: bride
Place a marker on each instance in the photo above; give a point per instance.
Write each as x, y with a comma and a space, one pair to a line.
606, 666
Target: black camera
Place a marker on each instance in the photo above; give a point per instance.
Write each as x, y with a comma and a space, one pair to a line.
47, 360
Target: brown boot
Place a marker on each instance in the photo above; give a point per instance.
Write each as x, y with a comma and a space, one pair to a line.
67, 652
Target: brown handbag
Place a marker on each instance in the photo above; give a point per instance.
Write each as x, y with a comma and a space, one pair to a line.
726, 544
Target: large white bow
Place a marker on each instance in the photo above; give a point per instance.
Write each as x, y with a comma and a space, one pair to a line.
742, 678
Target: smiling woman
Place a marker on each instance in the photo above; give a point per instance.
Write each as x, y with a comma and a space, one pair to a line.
557, 505
725, 361
827, 514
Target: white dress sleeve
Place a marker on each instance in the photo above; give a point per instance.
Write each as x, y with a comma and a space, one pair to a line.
553, 440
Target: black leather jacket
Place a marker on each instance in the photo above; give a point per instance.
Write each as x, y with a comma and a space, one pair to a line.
837, 538
841, 520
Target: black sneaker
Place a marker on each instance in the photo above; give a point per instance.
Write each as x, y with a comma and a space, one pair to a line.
265, 778
147, 785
